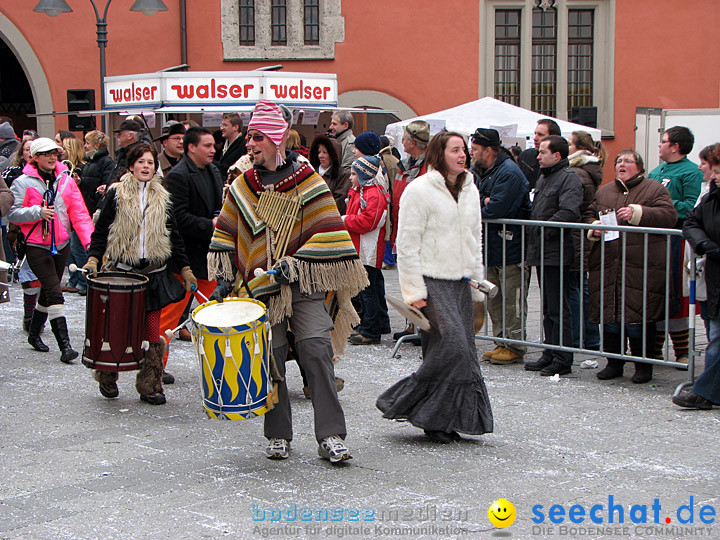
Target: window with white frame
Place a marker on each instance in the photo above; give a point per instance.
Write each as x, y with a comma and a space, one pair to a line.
549, 55
281, 29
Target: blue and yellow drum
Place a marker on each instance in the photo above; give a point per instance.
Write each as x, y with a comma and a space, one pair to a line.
231, 341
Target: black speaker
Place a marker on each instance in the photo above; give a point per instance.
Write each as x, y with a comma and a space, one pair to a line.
586, 116
81, 100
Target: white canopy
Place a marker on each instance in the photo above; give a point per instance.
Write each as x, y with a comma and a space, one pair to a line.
487, 112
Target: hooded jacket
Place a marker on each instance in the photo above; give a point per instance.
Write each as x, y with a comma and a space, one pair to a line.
654, 209
70, 211
590, 171
336, 177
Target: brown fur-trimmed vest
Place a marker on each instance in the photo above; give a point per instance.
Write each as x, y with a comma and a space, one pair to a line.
124, 237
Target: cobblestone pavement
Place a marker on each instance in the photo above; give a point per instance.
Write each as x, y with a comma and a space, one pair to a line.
78, 466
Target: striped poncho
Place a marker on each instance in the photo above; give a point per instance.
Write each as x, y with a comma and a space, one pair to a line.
320, 252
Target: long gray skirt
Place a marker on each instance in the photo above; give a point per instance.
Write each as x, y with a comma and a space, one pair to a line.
447, 393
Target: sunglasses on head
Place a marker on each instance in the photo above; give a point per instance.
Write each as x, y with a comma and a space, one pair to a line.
257, 137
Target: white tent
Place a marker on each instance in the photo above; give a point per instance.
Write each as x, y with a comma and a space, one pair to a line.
487, 112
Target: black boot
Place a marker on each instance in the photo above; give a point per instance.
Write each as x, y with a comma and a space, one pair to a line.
36, 325
613, 370
643, 373
59, 328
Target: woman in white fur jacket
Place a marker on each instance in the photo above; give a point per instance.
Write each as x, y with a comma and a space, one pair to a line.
439, 243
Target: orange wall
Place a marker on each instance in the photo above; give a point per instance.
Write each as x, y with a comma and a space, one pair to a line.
423, 69
418, 52
666, 56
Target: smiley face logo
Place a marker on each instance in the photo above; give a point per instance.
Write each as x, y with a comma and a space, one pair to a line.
502, 513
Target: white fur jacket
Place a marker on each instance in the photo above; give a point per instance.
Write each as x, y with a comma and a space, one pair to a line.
438, 237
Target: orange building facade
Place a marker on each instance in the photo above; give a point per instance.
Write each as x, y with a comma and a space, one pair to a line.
413, 57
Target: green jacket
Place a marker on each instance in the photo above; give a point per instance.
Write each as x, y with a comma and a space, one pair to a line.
683, 180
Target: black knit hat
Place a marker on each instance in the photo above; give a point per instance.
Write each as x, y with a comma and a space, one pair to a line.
486, 137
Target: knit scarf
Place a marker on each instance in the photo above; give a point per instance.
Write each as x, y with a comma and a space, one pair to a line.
320, 253
124, 236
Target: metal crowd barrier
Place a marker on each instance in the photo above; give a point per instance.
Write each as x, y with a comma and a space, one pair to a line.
568, 228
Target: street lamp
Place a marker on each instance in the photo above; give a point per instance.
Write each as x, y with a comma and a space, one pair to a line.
53, 8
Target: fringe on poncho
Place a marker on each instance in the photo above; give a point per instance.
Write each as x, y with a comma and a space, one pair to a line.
320, 253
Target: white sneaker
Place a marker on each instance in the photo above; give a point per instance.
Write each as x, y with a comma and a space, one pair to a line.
334, 449
278, 449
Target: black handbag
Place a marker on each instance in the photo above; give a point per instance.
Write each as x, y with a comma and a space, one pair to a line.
21, 243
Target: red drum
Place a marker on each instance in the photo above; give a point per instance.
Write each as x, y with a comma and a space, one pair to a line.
115, 321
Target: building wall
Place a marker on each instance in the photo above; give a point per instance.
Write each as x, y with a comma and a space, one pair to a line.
422, 53
666, 57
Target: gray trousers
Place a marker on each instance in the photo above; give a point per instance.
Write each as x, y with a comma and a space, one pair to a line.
311, 325
515, 309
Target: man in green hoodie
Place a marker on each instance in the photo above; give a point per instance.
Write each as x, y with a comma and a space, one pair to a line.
683, 180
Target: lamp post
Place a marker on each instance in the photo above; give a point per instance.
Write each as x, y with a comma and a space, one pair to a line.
53, 8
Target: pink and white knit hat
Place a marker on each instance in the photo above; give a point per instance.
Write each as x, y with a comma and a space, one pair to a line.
267, 118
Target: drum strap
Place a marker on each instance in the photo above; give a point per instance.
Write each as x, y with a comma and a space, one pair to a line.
149, 269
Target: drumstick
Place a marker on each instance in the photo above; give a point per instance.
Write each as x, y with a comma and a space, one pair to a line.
5, 266
259, 272
74, 268
195, 290
169, 333
484, 286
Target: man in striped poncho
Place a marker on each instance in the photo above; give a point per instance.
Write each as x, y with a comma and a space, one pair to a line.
320, 268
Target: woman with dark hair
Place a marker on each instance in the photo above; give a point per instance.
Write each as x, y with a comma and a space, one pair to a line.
640, 201
702, 231
587, 160
439, 242
47, 203
325, 155
137, 232
99, 168
709, 178
28, 281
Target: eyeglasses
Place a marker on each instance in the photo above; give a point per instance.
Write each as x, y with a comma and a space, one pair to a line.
257, 137
48, 153
627, 161
177, 138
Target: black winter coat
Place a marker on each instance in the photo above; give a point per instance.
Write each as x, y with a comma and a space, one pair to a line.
558, 195
702, 230
195, 204
98, 171
508, 190
234, 152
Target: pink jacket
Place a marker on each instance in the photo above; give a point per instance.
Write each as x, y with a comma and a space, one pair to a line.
367, 225
70, 210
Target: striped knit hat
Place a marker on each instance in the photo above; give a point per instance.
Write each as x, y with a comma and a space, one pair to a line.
267, 118
366, 168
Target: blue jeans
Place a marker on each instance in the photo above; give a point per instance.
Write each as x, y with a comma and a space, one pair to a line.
9, 254
703, 315
374, 319
79, 256
591, 331
389, 256
708, 383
